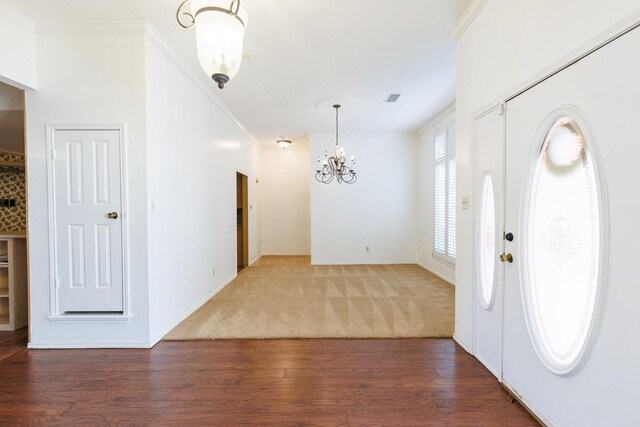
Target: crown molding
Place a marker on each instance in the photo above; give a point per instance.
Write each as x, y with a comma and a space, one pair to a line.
467, 18
16, 16
197, 78
123, 28
142, 28
410, 134
434, 121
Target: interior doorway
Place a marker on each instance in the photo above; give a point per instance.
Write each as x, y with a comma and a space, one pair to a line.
242, 220
14, 305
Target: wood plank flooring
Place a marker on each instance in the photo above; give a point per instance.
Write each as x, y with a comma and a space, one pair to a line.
12, 343
255, 382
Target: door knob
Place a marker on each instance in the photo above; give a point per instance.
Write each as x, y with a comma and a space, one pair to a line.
509, 237
112, 215
506, 258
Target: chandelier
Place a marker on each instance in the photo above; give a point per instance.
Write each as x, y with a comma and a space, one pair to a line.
219, 35
336, 165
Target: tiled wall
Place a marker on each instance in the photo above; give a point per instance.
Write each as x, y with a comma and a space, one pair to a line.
12, 186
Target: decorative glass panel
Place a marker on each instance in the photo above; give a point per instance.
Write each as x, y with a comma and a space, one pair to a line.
562, 251
487, 241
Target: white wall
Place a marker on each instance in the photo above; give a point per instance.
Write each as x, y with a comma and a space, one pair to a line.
380, 210
503, 47
426, 197
78, 83
194, 152
17, 49
285, 193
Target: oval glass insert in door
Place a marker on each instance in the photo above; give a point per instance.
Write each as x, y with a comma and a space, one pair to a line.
487, 243
562, 257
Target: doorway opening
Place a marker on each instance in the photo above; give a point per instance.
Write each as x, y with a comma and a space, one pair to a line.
14, 305
242, 220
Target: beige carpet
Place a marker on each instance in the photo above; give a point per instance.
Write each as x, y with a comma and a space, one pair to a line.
286, 297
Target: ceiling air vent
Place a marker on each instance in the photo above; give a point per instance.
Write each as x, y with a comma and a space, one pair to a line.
393, 97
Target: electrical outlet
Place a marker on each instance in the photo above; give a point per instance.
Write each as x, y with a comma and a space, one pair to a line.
366, 249
213, 270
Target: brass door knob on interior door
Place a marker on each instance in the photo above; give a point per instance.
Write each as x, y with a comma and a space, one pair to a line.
112, 215
506, 258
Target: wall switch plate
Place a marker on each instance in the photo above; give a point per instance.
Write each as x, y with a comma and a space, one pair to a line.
465, 202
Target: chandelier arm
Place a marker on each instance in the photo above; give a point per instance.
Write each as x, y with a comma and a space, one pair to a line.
218, 9
180, 13
237, 3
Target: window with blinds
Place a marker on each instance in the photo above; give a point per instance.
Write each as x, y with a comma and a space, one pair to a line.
444, 242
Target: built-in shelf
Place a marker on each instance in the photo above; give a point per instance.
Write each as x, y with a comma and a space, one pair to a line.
11, 164
13, 283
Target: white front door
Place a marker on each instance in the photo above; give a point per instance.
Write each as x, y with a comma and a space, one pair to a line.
488, 177
88, 220
571, 335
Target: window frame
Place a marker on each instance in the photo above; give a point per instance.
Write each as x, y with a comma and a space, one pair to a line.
445, 134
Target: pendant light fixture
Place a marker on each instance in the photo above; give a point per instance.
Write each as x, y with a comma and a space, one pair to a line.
220, 26
336, 165
283, 143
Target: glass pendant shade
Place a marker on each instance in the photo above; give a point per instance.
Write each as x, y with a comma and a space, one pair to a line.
219, 37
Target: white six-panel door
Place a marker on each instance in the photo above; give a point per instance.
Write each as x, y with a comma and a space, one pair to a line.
571, 335
488, 230
88, 221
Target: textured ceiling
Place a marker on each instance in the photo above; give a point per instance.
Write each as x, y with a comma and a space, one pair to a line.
303, 51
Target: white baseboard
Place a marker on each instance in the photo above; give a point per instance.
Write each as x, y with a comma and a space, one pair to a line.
535, 414
463, 344
364, 263
446, 279
486, 365
53, 346
256, 259
156, 339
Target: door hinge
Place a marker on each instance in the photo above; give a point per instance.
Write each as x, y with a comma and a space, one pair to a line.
502, 108
53, 154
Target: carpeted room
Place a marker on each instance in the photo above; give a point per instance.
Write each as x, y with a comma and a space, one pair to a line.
287, 297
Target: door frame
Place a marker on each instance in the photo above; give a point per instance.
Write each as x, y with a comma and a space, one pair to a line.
500, 227
604, 38
55, 316
244, 182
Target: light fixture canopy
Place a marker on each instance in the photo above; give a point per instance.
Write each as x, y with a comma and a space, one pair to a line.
220, 26
283, 143
335, 167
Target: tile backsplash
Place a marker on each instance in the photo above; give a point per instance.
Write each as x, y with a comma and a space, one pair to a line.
12, 186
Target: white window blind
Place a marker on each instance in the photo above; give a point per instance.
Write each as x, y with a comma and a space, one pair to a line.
444, 243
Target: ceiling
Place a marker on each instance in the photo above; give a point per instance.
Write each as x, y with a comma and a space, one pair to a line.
304, 51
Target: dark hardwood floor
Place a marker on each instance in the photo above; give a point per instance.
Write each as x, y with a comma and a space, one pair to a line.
253, 382
12, 343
